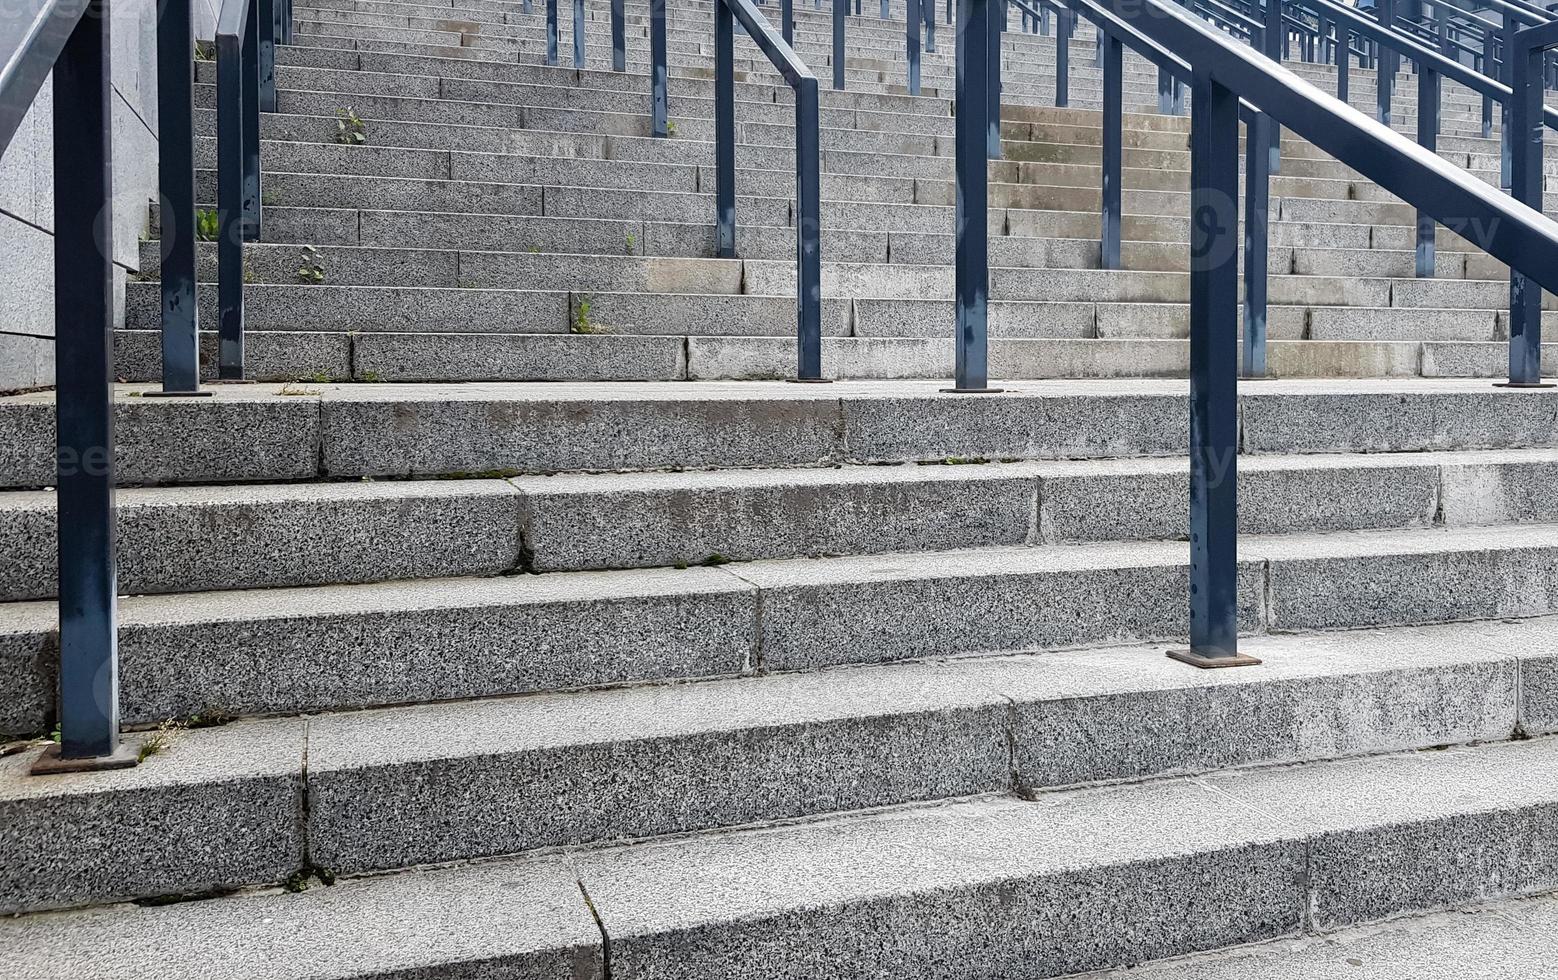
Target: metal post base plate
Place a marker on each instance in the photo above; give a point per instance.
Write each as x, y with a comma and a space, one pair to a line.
50, 763
1522, 384
1197, 660
809, 381
972, 391
176, 394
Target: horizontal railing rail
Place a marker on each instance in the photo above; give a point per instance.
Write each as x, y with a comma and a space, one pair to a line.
808, 165
70, 39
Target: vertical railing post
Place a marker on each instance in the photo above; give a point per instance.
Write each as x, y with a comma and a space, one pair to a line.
578, 33
230, 205
787, 21
840, 14
808, 230
1506, 75
912, 43
1428, 139
84, 375
1385, 66
886, 13
996, 10
251, 125
1063, 58
176, 186
619, 36
1257, 199
1273, 38
551, 32
1489, 67
1343, 61
267, 54
928, 10
1524, 130
724, 131
659, 72
972, 287
1214, 297
1113, 120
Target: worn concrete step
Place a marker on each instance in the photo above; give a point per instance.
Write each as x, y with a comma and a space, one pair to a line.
181, 540
227, 653
317, 356
990, 886
271, 433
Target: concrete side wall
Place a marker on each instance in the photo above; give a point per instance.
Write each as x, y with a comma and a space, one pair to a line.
27, 193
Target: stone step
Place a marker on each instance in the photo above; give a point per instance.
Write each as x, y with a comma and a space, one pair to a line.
234, 653
270, 433
312, 357
990, 886
180, 539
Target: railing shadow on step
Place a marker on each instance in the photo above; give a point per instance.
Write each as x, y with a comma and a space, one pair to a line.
1226, 77
71, 39
808, 165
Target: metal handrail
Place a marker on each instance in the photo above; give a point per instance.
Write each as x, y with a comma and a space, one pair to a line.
1227, 75
70, 38
808, 166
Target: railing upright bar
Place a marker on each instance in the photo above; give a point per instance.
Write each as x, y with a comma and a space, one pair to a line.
1343, 61
1272, 33
1525, 55
266, 44
1428, 138
1214, 297
724, 131
84, 375
619, 39
1488, 68
787, 21
660, 72
972, 287
1384, 67
912, 43
176, 188
993, 24
251, 124
1063, 25
230, 204
286, 22
928, 11
1257, 200
808, 229
1113, 138
886, 12
578, 33
840, 15
551, 32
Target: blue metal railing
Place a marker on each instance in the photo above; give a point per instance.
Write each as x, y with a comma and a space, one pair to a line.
1229, 80
808, 166
176, 184
71, 39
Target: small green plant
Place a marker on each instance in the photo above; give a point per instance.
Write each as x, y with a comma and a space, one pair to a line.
54, 736
159, 741
205, 224
305, 878
270, 197
715, 560
312, 270
248, 272
581, 317
205, 50
350, 130
632, 243
670, 127
371, 377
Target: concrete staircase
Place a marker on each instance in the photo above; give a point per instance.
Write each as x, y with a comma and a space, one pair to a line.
634, 677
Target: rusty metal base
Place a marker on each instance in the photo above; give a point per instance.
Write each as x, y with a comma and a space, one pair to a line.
50, 763
972, 391
1207, 663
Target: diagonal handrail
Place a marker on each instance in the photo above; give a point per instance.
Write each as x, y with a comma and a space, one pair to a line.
808, 165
